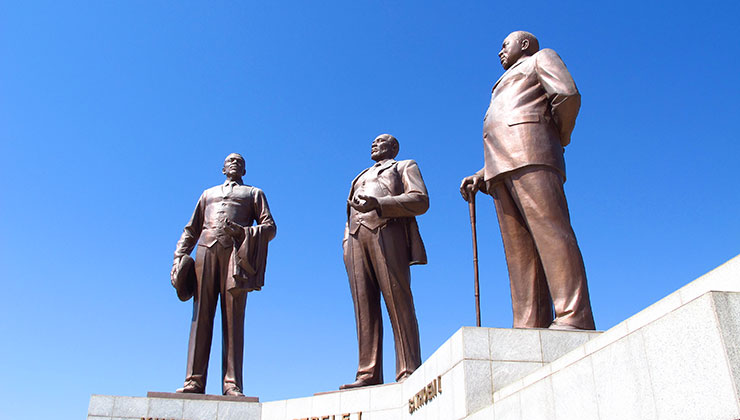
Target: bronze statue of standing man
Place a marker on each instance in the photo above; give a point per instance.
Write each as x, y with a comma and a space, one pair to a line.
528, 124
232, 225
381, 241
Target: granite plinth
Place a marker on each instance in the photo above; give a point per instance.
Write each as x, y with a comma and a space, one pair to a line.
677, 359
464, 371
177, 407
204, 397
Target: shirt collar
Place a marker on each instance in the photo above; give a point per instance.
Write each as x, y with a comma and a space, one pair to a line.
382, 162
230, 182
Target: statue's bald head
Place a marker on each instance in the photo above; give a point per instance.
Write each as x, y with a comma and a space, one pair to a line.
235, 156
384, 146
516, 45
520, 36
234, 166
393, 142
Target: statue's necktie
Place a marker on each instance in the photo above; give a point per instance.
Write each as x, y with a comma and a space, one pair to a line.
228, 188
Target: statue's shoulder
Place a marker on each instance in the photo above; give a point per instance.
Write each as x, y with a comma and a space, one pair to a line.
254, 191
545, 52
546, 56
406, 163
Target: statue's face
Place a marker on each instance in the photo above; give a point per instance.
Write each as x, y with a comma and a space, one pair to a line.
382, 148
511, 51
234, 166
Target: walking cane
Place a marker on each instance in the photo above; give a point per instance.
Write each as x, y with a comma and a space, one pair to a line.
471, 208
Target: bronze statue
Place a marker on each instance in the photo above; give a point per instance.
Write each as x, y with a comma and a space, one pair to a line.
381, 241
230, 261
529, 122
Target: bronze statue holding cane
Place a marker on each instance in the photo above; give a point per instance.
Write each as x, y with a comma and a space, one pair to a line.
529, 122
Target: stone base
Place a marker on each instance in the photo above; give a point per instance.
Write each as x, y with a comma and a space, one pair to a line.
456, 381
177, 407
677, 359
203, 397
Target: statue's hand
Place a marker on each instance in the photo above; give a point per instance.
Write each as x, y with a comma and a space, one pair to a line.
469, 186
234, 230
364, 203
175, 264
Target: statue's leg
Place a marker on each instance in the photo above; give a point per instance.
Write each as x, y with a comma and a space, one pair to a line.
538, 190
366, 298
390, 257
204, 308
232, 330
530, 298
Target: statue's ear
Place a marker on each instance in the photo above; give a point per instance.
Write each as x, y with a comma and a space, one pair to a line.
525, 44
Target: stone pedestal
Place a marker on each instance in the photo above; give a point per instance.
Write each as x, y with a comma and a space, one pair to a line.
677, 359
171, 406
457, 380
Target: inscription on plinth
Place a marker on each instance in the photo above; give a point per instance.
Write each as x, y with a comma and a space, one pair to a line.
345, 416
426, 394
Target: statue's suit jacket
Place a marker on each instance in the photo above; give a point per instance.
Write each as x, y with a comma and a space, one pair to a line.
405, 197
531, 116
244, 206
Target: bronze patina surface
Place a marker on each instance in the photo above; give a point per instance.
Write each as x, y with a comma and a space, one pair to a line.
529, 122
231, 225
381, 241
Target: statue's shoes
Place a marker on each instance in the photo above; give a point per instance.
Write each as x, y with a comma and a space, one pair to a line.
360, 383
191, 388
233, 392
563, 327
403, 377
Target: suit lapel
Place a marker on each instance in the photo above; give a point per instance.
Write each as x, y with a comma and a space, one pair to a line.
387, 164
497, 82
358, 177
354, 181
383, 181
507, 72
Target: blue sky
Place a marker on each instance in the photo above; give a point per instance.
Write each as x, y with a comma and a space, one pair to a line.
115, 115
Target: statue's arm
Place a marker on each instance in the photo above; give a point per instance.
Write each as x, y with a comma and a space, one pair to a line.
345, 237
192, 230
414, 200
263, 217
565, 101
470, 185
346, 223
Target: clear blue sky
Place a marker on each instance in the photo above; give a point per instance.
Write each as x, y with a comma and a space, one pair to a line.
115, 115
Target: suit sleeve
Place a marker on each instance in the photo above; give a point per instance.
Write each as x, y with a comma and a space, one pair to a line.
345, 237
565, 101
262, 215
346, 224
414, 200
192, 230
